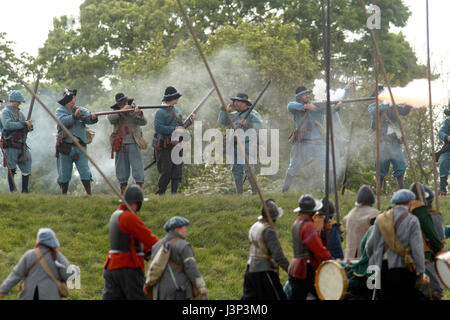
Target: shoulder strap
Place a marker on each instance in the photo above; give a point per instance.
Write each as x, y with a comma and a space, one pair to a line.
174, 116
45, 266
388, 229
39, 257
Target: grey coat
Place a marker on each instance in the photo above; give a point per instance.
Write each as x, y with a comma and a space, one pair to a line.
37, 277
131, 120
408, 233
183, 255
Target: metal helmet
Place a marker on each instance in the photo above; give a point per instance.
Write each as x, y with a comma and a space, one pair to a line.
307, 204
365, 196
428, 195
328, 208
413, 188
133, 194
274, 210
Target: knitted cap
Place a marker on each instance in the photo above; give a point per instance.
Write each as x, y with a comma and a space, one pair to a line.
47, 237
175, 222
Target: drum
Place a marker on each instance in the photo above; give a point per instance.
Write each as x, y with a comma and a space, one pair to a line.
331, 281
442, 265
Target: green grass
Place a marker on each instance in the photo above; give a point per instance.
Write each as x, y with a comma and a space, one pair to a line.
218, 232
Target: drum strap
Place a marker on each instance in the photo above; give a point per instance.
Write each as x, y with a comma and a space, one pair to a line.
300, 248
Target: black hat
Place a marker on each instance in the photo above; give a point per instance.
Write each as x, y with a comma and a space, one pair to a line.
365, 196
307, 204
274, 210
171, 94
121, 98
327, 205
134, 194
301, 90
67, 96
242, 97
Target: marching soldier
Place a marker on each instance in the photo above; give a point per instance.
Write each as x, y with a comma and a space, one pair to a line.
396, 247
75, 119
15, 126
309, 250
307, 138
166, 121
126, 141
131, 241
390, 141
261, 281
238, 111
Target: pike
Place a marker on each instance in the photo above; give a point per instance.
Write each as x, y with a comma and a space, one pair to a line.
23, 157
344, 182
188, 120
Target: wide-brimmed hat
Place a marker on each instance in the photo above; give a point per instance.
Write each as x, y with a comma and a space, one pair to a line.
175, 222
67, 96
307, 204
171, 94
121, 98
47, 237
242, 97
301, 90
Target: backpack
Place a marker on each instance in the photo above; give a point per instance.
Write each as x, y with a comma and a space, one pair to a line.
159, 263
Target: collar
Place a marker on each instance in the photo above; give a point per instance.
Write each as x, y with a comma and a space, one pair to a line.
123, 207
172, 234
305, 216
10, 107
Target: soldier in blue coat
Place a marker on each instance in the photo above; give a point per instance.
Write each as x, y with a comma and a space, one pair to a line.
14, 126
307, 138
75, 119
166, 121
444, 164
238, 111
390, 141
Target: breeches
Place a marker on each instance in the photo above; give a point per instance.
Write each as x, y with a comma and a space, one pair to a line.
391, 152
129, 160
64, 164
13, 155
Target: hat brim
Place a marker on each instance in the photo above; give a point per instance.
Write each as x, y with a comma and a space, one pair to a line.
116, 106
318, 206
303, 92
280, 214
174, 97
242, 100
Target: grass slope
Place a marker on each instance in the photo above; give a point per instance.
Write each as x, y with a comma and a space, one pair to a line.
218, 232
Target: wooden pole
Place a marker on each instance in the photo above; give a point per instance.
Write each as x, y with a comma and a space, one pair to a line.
435, 173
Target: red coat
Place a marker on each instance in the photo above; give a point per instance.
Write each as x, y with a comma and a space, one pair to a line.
318, 253
131, 224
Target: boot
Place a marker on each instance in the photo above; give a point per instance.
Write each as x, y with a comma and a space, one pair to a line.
253, 186
287, 183
25, 180
239, 186
64, 187
443, 185
87, 186
123, 187
12, 186
400, 182
174, 185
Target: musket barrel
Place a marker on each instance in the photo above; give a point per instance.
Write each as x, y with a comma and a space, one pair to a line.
102, 113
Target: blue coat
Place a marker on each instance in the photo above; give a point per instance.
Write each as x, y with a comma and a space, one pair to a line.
444, 165
254, 118
11, 121
165, 123
77, 127
402, 110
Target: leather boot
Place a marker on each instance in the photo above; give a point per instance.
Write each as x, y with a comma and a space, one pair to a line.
123, 188
87, 186
252, 185
239, 186
11, 180
25, 180
287, 183
64, 187
443, 185
174, 185
400, 182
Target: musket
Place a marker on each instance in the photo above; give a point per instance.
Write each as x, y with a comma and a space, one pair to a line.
239, 125
344, 182
372, 97
103, 113
23, 157
188, 121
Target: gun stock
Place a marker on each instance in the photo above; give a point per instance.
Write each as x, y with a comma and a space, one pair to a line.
188, 122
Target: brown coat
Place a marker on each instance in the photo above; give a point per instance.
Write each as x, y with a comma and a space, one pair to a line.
357, 222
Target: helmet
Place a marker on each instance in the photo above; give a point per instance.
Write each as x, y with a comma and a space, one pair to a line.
307, 204
274, 210
413, 188
133, 194
327, 205
365, 196
16, 96
428, 195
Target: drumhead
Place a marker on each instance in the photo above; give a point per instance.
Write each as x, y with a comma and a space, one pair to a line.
442, 265
330, 281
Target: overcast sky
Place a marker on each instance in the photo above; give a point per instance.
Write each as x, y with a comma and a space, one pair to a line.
27, 23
